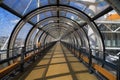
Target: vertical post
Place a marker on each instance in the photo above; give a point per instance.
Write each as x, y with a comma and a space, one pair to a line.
80, 52
34, 48
104, 57
34, 53
0, 56
118, 68
70, 47
90, 61
39, 48
74, 49
22, 59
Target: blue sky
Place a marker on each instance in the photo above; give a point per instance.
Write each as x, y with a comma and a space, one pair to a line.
7, 22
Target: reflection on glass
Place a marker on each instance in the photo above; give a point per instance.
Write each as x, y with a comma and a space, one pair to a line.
31, 43
7, 23
64, 1
54, 13
41, 16
74, 17
22, 35
24, 6
90, 7
52, 1
62, 13
43, 2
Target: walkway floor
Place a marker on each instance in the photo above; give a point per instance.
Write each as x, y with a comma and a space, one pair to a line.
58, 64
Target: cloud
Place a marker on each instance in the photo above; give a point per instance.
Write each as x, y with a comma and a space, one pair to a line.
14, 21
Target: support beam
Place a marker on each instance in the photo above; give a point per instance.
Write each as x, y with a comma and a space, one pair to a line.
46, 32
102, 13
14, 12
115, 4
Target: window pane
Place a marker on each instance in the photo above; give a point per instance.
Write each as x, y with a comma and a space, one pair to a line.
7, 23
22, 35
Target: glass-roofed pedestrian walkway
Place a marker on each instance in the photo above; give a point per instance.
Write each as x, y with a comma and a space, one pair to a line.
59, 39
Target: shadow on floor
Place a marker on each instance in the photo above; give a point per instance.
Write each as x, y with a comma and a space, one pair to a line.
58, 65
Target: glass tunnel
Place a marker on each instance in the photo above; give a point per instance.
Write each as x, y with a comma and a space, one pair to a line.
87, 29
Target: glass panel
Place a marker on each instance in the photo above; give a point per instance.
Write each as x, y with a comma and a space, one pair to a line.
24, 6
109, 27
43, 2
77, 5
41, 16
64, 1
22, 35
54, 13
40, 34
45, 23
111, 39
7, 23
112, 45
62, 13
101, 5
79, 42
52, 1
42, 39
72, 16
90, 7
33, 36
89, 12
48, 14
18, 5
31, 5
104, 27
34, 19
31, 41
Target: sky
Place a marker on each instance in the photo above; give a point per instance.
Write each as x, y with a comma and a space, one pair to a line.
8, 20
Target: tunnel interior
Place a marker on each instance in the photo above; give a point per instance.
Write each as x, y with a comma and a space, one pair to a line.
77, 24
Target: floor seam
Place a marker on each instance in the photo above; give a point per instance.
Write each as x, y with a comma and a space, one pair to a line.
69, 66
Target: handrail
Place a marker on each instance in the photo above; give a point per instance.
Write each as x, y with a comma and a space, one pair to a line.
14, 48
14, 57
95, 66
100, 69
11, 67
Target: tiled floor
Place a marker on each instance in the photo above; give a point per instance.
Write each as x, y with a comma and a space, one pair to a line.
58, 64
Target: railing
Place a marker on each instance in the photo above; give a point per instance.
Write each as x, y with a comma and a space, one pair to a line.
18, 60
14, 51
96, 63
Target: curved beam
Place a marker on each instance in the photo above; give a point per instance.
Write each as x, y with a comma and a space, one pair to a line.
48, 19
52, 8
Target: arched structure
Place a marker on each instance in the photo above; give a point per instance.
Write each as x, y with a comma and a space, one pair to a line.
75, 23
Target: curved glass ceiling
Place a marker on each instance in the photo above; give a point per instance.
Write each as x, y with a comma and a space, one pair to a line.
81, 12
90, 7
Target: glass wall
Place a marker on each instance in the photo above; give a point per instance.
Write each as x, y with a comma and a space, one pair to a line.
7, 24
22, 35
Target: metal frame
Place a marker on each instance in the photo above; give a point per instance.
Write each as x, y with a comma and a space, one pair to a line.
50, 18
50, 8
